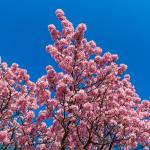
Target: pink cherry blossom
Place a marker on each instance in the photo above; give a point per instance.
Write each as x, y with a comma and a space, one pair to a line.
88, 105
3, 136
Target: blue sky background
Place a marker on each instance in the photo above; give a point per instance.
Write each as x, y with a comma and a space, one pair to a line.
118, 26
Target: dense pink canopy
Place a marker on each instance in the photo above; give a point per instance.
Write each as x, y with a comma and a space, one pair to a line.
92, 102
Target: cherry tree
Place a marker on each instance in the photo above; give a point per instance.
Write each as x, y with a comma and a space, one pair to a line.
17, 102
91, 102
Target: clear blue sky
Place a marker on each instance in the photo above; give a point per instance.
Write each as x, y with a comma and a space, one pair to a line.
118, 26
